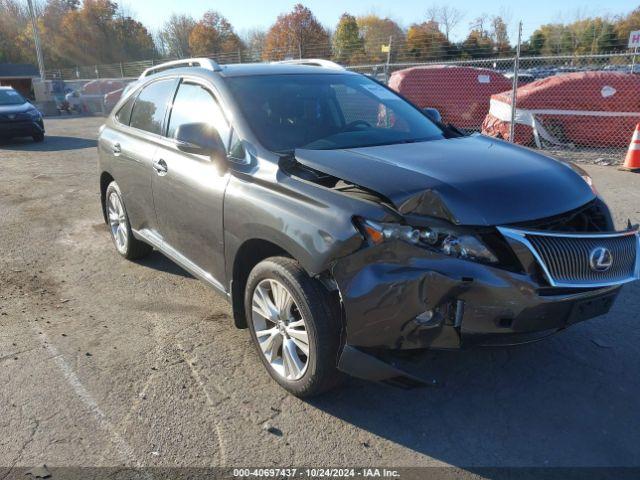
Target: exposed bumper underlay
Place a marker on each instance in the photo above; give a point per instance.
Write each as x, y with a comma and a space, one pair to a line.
400, 297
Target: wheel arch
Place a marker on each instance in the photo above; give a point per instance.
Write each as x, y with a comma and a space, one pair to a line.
248, 255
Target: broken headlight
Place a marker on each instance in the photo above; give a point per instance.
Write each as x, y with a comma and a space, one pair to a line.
443, 240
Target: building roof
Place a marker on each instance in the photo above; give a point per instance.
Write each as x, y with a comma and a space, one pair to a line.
18, 70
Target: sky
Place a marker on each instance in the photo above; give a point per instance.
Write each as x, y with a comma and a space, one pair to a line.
247, 14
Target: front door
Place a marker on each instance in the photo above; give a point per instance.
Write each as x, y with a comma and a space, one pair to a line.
188, 189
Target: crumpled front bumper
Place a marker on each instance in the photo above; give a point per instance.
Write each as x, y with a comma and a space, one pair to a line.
399, 296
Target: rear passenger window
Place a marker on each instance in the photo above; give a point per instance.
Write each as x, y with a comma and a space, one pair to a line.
195, 104
150, 106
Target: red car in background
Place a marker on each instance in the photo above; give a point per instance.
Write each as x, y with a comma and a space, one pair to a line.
594, 109
460, 94
92, 94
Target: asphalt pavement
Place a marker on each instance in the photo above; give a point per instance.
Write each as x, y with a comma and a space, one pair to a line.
106, 362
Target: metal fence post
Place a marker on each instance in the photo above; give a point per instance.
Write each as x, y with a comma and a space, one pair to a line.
386, 66
121, 70
514, 88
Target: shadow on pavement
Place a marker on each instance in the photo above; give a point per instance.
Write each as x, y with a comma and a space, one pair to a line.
570, 400
52, 143
158, 261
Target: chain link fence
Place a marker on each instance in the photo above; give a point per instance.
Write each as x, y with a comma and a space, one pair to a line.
576, 107
579, 107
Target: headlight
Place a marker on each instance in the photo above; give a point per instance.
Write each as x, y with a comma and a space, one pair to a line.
589, 181
447, 241
468, 246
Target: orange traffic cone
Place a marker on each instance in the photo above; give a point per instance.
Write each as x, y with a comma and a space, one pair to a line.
632, 161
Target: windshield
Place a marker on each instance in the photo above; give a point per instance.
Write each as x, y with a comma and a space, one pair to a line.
327, 111
11, 97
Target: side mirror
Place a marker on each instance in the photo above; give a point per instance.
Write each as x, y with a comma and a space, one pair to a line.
201, 139
433, 114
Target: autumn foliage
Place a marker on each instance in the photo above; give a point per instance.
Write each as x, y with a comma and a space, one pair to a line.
296, 34
91, 32
213, 35
73, 34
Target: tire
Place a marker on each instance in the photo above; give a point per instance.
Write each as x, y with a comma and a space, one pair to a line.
38, 137
118, 221
315, 308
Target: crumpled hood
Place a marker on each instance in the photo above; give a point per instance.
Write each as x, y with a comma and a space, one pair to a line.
15, 108
471, 180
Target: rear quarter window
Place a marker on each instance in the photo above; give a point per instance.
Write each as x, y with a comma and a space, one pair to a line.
124, 114
150, 106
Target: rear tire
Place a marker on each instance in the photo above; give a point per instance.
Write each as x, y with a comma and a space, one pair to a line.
310, 322
118, 221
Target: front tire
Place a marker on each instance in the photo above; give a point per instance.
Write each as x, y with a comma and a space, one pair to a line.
126, 244
294, 325
38, 137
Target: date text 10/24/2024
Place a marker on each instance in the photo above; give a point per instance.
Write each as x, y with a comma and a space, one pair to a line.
315, 473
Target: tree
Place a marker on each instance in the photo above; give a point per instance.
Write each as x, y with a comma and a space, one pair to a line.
133, 38
106, 33
426, 42
447, 17
296, 34
477, 45
254, 40
174, 35
14, 20
500, 36
49, 23
585, 35
480, 25
376, 32
347, 42
627, 24
536, 43
213, 35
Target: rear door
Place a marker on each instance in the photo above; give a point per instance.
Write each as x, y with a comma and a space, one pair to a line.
188, 189
133, 147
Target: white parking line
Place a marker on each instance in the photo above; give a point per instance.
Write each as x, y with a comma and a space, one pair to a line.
72, 379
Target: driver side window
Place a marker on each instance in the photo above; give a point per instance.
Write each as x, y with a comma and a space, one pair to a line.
195, 104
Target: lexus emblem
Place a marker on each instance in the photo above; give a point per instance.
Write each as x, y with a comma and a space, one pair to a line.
600, 259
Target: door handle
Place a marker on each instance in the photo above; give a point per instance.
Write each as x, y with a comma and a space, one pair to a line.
160, 166
116, 149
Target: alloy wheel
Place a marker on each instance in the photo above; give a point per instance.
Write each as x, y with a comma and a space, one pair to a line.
117, 221
280, 329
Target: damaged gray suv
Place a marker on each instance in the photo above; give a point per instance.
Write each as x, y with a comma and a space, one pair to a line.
344, 225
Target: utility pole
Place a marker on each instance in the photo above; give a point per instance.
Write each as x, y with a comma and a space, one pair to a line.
386, 67
516, 67
36, 40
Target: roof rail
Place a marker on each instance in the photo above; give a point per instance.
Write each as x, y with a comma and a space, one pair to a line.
316, 62
205, 63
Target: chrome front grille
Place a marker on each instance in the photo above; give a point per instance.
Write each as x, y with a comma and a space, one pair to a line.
583, 259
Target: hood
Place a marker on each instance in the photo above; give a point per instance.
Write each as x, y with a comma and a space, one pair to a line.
23, 107
471, 180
